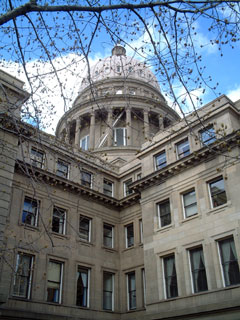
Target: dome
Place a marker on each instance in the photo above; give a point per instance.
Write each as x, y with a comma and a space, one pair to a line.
120, 66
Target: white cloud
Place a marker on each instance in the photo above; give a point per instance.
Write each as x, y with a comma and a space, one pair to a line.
48, 99
234, 94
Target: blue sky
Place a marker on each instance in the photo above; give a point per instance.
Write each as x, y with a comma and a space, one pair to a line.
223, 69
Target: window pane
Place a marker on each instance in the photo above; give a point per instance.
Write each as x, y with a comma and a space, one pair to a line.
218, 193
54, 281
86, 179
107, 187
84, 228
170, 277
30, 210
129, 236
127, 191
58, 220
108, 236
164, 213
190, 203
131, 291
107, 291
198, 270
62, 169
183, 149
229, 262
208, 136
161, 161
22, 277
82, 287
120, 136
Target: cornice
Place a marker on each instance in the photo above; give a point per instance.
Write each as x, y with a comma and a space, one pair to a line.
202, 155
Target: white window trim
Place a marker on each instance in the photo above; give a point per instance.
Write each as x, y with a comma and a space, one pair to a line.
124, 136
164, 279
87, 140
31, 273
190, 269
113, 290
126, 237
112, 244
68, 167
209, 191
182, 198
128, 297
90, 228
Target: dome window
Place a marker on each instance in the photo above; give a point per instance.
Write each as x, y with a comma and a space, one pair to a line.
118, 68
120, 136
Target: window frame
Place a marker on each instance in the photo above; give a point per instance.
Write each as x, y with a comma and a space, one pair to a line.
193, 271
141, 231
34, 158
89, 228
187, 206
126, 190
217, 179
112, 290
129, 243
129, 292
29, 277
106, 225
59, 300
164, 276
222, 262
162, 164
115, 142
105, 191
84, 182
61, 173
88, 272
37, 202
59, 211
163, 202
180, 144
212, 135
84, 141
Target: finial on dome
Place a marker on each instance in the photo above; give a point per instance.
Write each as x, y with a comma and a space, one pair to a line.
118, 51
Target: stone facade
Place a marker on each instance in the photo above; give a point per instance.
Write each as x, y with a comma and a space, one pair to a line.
129, 212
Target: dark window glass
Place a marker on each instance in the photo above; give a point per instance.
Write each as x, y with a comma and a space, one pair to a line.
82, 287
129, 235
198, 270
108, 236
84, 228
107, 291
62, 169
218, 193
170, 277
54, 281
58, 220
131, 291
164, 213
30, 212
160, 160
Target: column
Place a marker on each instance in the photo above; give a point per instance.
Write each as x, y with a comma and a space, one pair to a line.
160, 118
67, 137
92, 131
110, 129
146, 124
77, 132
129, 126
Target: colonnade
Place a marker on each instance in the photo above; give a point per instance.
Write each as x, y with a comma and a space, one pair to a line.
111, 124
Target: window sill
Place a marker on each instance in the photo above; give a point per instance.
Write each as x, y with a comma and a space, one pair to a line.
194, 216
29, 227
112, 250
219, 208
60, 236
127, 249
85, 243
165, 228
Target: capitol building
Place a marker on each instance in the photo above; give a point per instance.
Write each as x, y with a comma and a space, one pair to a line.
128, 212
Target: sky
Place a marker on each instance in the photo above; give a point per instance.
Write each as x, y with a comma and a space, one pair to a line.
224, 69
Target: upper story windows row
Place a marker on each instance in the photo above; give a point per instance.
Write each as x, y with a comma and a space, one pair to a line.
217, 197
182, 148
62, 169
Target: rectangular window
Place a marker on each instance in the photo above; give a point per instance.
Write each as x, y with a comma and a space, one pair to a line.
217, 192
164, 213
108, 293
127, 190
170, 277
131, 290
199, 278
141, 230
30, 212
183, 148
160, 160
189, 203
144, 287
129, 233
62, 169
85, 228
86, 179
23, 276
107, 187
83, 277
59, 220
139, 176
120, 136
54, 282
207, 136
107, 236
84, 143
37, 158
229, 262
